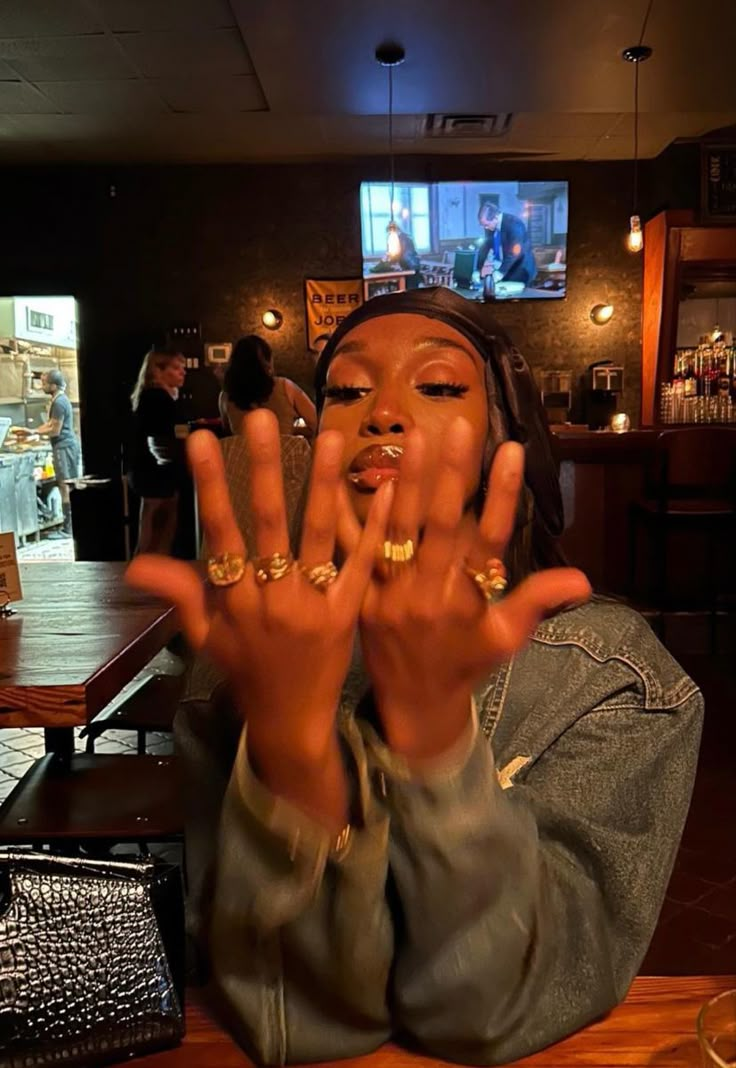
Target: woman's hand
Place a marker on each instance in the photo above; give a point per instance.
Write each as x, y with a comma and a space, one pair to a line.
284, 646
428, 633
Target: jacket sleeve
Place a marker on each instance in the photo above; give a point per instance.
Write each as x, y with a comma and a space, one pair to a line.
526, 911
297, 934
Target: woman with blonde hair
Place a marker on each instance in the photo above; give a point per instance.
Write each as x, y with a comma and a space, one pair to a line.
157, 460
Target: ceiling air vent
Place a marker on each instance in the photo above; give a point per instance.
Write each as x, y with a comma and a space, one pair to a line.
467, 125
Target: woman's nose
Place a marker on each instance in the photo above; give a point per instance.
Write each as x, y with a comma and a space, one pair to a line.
386, 416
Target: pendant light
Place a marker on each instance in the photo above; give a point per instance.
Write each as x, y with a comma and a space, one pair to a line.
390, 55
637, 54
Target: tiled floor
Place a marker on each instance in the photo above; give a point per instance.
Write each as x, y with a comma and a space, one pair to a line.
697, 928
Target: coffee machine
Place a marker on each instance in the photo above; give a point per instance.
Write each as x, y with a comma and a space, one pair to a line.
603, 385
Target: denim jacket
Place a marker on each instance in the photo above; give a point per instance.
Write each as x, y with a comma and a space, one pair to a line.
485, 908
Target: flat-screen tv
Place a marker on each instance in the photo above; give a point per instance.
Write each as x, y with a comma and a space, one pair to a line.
503, 240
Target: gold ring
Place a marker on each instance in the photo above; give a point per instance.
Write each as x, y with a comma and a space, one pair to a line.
320, 576
272, 568
226, 569
492, 581
398, 552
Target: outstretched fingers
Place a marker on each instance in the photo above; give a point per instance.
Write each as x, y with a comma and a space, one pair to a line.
213, 499
509, 623
358, 567
320, 518
178, 583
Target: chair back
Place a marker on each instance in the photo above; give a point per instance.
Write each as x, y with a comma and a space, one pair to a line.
695, 464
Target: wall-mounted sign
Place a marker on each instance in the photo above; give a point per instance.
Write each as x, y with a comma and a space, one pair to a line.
328, 302
10, 588
718, 183
51, 320
38, 320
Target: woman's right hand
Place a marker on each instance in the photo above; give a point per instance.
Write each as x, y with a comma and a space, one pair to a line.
284, 646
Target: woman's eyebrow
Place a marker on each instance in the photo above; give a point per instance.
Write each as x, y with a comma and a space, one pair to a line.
442, 343
350, 347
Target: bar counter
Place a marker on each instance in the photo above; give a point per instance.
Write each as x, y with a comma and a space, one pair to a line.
601, 474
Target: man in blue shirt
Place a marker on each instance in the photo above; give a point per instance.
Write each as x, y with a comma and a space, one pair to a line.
65, 445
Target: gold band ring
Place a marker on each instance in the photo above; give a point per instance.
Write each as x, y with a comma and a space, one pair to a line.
320, 576
398, 552
272, 568
225, 569
491, 581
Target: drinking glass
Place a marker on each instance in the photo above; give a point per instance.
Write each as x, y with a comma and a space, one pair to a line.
717, 1031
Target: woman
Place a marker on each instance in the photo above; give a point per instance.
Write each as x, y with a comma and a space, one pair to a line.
471, 855
157, 461
250, 383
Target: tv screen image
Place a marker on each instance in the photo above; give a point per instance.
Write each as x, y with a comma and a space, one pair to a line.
456, 234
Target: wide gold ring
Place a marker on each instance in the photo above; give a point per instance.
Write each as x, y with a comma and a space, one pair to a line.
320, 576
272, 568
491, 581
225, 569
398, 552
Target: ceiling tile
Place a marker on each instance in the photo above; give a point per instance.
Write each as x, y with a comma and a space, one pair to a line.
19, 99
93, 57
240, 93
50, 128
46, 18
108, 98
174, 55
126, 15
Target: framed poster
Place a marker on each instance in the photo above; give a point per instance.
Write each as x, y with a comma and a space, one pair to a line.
718, 183
328, 302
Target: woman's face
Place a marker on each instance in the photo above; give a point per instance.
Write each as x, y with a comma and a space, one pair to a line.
391, 374
171, 375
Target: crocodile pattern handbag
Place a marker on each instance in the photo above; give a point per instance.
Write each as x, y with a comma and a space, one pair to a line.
91, 959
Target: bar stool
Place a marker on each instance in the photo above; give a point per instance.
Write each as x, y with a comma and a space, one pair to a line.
151, 708
91, 798
691, 487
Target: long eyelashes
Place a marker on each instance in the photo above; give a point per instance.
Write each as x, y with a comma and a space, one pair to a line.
346, 394
442, 389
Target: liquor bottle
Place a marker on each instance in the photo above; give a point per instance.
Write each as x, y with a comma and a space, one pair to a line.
689, 377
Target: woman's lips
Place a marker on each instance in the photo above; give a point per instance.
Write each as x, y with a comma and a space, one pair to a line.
374, 465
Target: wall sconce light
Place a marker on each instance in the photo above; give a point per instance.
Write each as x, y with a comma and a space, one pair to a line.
272, 319
600, 314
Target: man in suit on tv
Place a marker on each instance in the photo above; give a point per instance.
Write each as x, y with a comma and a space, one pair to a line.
506, 250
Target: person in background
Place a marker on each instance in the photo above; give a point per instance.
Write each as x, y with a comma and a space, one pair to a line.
459, 834
157, 464
506, 251
65, 447
250, 382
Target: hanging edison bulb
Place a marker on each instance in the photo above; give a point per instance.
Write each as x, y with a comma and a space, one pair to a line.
635, 237
393, 247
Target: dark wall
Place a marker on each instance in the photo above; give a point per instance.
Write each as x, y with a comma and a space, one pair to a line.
218, 245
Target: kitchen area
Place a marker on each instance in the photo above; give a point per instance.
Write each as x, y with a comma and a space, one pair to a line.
37, 335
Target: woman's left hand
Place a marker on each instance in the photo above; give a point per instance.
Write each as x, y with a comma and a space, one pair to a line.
428, 633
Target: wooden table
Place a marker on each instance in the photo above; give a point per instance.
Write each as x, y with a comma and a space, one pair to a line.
78, 636
655, 1026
